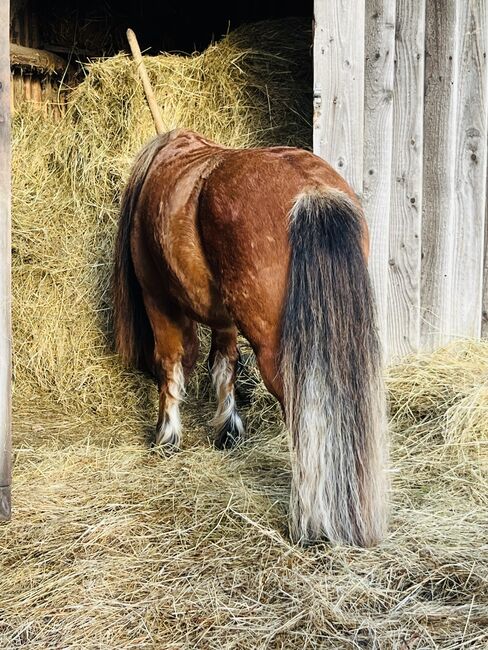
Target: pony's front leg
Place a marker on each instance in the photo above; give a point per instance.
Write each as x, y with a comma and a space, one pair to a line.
222, 364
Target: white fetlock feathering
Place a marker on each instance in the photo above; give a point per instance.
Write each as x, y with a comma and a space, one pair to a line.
169, 433
222, 381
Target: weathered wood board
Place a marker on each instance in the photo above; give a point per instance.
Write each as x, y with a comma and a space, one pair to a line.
454, 171
418, 158
377, 155
339, 86
403, 329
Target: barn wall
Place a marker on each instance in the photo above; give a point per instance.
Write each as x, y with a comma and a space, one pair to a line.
401, 111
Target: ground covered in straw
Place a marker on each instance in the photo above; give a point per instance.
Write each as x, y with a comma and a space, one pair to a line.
115, 546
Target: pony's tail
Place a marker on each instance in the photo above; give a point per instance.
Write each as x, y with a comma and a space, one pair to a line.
132, 330
332, 377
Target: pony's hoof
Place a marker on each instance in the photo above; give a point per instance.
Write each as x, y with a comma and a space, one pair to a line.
229, 436
167, 443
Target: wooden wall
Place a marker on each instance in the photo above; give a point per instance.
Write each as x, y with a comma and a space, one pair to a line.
401, 110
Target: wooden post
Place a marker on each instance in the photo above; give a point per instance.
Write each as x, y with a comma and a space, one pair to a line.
151, 99
5, 324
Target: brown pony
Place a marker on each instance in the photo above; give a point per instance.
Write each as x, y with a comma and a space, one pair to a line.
273, 243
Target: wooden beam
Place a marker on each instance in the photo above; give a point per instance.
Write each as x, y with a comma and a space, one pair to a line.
39, 59
5, 273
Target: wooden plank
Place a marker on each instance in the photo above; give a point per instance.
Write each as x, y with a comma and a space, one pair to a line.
440, 116
483, 47
39, 59
339, 86
471, 170
454, 171
484, 312
27, 86
16, 28
36, 91
378, 121
18, 88
27, 40
12, 95
5, 324
35, 38
406, 191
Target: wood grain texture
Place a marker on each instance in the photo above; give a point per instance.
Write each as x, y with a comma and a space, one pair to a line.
5, 503
454, 171
470, 172
406, 191
438, 220
378, 122
5, 281
484, 308
339, 86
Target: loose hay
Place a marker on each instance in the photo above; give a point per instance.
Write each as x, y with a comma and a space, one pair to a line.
113, 546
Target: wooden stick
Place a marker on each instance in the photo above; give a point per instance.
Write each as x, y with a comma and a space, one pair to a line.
5, 265
151, 99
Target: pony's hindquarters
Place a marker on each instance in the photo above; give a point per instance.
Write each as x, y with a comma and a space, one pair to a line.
131, 325
332, 377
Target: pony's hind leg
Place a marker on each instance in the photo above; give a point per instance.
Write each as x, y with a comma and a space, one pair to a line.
223, 364
175, 353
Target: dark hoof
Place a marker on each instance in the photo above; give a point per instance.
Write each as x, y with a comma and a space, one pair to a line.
230, 435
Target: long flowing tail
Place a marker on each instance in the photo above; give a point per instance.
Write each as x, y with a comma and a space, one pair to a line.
133, 334
331, 369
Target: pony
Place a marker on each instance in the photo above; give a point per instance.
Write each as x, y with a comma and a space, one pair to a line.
271, 242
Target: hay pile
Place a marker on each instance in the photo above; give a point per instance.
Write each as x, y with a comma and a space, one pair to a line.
113, 546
